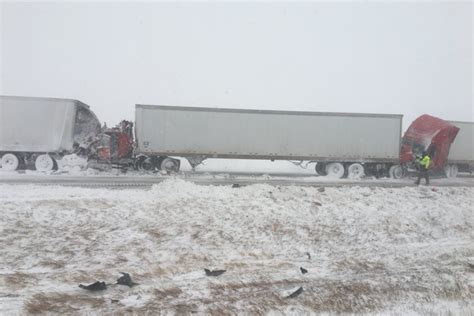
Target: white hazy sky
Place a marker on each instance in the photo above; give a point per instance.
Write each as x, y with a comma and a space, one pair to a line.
381, 57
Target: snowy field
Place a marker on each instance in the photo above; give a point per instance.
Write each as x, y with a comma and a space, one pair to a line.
375, 250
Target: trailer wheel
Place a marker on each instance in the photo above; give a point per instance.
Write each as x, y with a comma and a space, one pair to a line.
45, 163
335, 170
396, 172
169, 165
355, 171
321, 168
10, 162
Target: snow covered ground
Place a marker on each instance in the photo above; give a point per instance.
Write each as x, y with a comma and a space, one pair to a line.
366, 249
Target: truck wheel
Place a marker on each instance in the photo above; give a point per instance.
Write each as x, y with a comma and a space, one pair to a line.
396, 172
45, 163
355, 171
447, 171
138, 162
335, 170
321, 168
169, 165
146, 164
10, 162
453, 171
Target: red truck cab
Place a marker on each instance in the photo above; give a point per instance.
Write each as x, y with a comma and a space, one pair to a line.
115, 145
430, 134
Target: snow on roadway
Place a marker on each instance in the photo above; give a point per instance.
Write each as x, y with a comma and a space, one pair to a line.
75, 165
403, 250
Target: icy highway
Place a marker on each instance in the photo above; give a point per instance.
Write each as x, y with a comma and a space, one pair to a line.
207, 178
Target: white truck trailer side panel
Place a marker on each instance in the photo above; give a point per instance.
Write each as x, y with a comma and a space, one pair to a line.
36, 124
462, 149
235, 133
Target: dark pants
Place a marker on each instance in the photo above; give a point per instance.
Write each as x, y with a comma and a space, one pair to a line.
423, 173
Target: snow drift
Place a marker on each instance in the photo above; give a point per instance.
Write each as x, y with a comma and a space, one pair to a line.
365, 249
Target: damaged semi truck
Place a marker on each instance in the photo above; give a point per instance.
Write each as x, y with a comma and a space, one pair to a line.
38, 133
41, 131
341, 143
432, 135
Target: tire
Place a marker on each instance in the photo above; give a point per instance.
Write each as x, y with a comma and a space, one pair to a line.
146, 164
454, 171
335, 170
138, 162
10, 162
355, 171
396, 172
451, 171
447, 171
320, 168
169, 165
45, 163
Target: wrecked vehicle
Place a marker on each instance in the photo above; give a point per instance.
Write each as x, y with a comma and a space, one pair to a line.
348, 144
342, 144
430, 134
41, 131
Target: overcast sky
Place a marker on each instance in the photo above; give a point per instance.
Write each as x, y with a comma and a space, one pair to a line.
380, 57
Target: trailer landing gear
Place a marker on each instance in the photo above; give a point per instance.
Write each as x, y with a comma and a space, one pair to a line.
195, 161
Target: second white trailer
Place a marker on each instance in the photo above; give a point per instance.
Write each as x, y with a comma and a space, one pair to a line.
461, 152
335, 140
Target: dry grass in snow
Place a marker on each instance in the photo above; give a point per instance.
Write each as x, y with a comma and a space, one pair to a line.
366, 249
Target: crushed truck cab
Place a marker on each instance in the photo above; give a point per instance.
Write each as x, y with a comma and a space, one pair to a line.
430, 134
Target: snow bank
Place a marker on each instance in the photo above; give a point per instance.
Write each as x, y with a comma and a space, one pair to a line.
366, 249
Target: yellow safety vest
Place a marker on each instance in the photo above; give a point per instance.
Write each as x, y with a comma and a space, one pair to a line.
425, 161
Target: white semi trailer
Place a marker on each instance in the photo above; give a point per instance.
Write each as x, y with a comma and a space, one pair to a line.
41, 130
340, 143
461, 153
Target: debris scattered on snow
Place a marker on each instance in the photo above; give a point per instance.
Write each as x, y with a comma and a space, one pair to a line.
126, 279
396, 238
96, 286
214, 272
295, 292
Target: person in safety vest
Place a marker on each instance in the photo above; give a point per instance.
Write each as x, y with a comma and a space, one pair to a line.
423, 163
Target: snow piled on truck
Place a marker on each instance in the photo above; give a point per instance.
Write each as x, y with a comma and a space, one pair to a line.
405, 250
